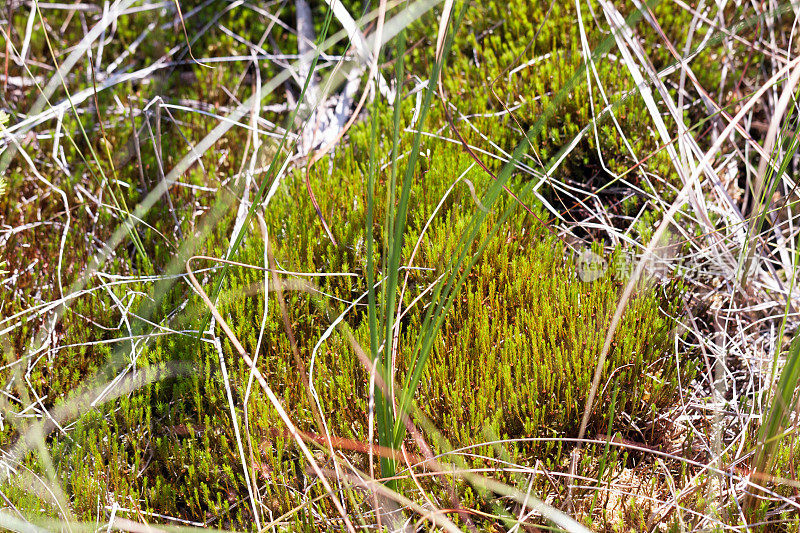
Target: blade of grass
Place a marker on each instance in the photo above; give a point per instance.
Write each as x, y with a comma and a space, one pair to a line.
446, 291
782, 403
399, 221
416, 10
771, 431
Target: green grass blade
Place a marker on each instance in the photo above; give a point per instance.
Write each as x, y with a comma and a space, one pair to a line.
772, 430
445, 294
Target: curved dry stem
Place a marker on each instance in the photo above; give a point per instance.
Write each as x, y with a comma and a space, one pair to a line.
268, 391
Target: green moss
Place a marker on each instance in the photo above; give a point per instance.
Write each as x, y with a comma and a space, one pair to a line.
516, 355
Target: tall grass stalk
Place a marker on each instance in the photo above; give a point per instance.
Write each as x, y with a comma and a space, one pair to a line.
772, 431
382, 324
382, 319
394, 27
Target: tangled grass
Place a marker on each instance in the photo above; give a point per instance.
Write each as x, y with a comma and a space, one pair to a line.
484, 266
